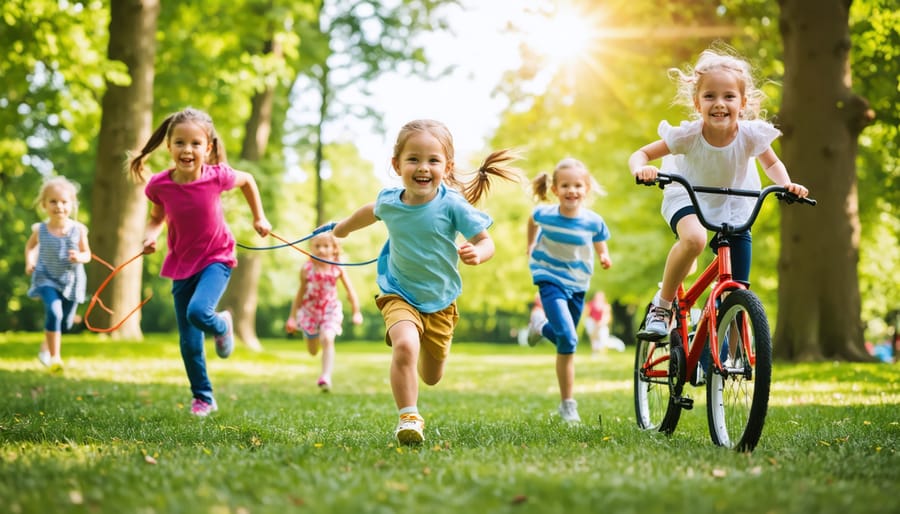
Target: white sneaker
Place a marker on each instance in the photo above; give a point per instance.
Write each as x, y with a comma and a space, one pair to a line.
410, 429
44, 357
535, 331
568, 411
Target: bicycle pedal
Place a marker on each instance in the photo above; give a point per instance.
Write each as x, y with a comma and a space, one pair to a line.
684, 402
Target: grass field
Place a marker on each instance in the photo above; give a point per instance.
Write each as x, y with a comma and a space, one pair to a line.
113, 434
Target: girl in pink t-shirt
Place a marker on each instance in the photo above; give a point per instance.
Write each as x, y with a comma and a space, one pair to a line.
201, 254
316, 309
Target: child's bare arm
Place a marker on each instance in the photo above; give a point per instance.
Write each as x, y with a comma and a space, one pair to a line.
363, 217
476, 250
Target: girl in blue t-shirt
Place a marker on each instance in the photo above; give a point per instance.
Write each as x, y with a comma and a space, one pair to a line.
417, 269
562, 240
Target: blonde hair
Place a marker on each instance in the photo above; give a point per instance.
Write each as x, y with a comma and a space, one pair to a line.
719, 57
495, 164
164, 132
63, 184
544, 181
336, 256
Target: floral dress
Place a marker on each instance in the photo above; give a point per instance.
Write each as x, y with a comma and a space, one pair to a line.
320, 308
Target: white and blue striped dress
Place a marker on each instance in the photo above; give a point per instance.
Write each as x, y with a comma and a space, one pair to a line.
53, 267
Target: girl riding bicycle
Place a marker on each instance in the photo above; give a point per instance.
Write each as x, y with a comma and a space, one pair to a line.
716, 148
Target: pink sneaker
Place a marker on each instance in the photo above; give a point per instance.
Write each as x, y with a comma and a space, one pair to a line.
324, 384
202, 409
225, 342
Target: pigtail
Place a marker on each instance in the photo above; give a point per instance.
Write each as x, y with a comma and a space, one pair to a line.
540, 185
159, 135
496, 164
217, 152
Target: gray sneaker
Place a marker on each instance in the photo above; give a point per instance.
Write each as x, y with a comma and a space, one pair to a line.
657, 325
535, 331
225, 342
568, 411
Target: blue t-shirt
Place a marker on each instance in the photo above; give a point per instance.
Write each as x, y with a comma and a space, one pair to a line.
419, 261
564, 251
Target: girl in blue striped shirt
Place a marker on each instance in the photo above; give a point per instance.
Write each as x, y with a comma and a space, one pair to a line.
562, 241
55, 255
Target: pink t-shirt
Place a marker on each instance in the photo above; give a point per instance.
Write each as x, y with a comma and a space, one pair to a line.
197, 233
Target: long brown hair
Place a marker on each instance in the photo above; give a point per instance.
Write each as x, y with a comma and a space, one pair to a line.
164, 131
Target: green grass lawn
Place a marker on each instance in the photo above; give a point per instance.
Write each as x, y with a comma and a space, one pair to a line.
113, 434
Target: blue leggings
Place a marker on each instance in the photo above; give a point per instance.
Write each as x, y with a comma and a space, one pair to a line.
563, 313
59, 313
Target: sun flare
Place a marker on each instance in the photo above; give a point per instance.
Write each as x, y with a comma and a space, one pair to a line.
560, 35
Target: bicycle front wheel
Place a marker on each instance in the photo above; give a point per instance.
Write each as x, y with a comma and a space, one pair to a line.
737, 395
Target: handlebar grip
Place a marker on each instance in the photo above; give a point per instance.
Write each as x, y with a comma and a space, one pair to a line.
791, 198
328, 227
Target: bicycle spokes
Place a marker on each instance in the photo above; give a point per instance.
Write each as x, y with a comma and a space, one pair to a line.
738, 389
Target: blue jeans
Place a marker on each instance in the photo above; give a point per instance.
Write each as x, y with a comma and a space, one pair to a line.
563, 313
196, 298
59, 313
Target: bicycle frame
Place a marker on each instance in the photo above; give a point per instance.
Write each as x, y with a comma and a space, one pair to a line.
718, 272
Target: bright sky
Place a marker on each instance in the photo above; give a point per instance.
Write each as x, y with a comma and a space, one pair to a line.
461, 100
480, 52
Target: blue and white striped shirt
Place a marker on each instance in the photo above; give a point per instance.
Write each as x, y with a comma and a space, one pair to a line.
53, 267
564, 251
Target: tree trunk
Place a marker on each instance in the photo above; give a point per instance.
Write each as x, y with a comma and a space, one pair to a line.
119, 207
818, 293
242, 296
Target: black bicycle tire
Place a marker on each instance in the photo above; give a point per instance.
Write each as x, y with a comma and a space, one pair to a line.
761, 374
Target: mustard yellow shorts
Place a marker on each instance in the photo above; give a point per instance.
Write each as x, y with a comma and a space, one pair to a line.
435, 329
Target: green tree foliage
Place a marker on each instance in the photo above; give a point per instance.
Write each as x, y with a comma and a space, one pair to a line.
53, 67
875, 33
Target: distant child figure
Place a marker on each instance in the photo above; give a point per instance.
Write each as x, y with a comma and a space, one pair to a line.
597, 322
717, 148
562, 240
55, 255
418, 274
200, 245
316, 308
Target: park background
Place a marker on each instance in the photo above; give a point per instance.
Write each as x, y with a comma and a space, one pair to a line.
293, 86
286, 83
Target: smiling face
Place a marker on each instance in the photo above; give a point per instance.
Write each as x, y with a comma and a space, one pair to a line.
324, 246
719, 99
58, 202
422, 164
571, 185
189, 146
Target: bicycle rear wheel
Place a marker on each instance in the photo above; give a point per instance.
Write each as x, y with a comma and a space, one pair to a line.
654, 406
737, 396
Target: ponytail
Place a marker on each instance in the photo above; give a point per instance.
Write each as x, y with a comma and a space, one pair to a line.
496, 164
540, 185
159, 135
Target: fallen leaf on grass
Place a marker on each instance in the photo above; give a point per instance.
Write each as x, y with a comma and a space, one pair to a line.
519, 499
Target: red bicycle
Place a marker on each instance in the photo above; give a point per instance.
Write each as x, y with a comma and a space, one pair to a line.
729, 348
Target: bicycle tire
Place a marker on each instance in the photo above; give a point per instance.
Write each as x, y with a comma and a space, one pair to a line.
654, 406
737, 399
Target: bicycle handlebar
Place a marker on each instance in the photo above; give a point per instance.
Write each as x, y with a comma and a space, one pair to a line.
780, 192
